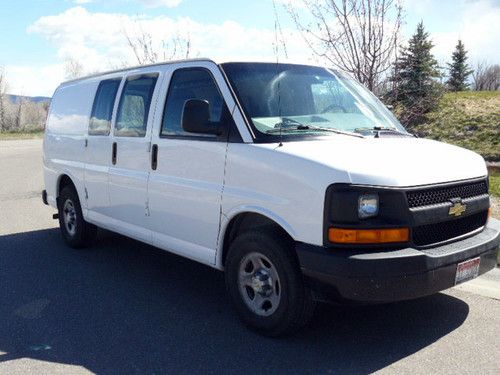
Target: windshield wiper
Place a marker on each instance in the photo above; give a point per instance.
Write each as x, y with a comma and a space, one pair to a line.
295, 125
287, 122
378, 129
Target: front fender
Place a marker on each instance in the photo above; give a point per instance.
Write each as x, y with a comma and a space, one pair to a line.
235, 211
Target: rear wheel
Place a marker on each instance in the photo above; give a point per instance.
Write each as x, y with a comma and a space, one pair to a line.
265, 283
75, 230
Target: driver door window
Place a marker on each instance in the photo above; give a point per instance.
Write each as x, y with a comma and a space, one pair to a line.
191, 83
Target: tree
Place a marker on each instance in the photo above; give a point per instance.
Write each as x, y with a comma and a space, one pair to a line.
3, 87
147, 50
20, 114
356, 36
459, 71
34, 115
486, 77
415, 79
73, 69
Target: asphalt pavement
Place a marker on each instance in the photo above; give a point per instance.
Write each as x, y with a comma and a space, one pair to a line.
122, 307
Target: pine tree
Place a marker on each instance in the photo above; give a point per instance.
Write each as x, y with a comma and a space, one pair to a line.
415, 79
458, 69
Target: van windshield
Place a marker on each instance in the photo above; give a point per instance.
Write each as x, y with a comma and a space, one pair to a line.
297, 100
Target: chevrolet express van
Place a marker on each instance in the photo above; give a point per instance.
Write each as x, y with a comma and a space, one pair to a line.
294, 180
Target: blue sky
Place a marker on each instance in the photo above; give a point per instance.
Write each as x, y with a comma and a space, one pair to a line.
39, 36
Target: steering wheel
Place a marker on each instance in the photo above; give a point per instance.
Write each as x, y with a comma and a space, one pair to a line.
333, 106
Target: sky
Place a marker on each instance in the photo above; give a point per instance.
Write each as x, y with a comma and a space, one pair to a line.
38, 37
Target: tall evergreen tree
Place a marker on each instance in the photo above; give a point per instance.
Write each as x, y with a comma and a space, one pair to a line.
415, 79
458, 69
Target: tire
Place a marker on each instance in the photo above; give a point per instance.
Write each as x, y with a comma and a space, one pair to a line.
77, 233
270, 273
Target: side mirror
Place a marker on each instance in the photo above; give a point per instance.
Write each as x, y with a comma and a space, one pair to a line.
196, 118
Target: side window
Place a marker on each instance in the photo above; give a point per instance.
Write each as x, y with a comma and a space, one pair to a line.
185, 84
133, 111
100, 119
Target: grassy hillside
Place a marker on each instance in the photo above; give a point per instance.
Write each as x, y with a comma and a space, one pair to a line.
495, 184
469, 119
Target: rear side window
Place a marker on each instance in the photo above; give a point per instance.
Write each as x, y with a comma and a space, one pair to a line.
102, 110
133, 111
191, 83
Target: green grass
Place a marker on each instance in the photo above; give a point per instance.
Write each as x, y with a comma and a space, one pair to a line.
25, 134
495, 184
468, 119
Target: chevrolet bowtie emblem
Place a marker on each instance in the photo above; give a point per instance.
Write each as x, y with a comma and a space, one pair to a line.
457, 209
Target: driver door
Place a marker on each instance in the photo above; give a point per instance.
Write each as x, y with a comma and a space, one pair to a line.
186, 182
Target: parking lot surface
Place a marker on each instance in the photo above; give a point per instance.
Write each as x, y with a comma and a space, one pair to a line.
124, 307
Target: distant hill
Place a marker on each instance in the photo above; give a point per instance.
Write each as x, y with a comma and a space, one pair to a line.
36, 99
470, 119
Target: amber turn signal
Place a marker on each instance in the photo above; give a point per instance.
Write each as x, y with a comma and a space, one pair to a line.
368, 236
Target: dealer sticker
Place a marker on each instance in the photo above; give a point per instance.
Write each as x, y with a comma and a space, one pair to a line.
467, 270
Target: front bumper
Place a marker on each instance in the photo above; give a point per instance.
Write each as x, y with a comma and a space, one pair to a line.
377, 276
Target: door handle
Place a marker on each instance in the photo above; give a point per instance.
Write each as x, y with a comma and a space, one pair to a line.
154, 157
113, 153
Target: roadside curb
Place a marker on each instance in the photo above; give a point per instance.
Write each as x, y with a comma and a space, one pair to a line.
487, 285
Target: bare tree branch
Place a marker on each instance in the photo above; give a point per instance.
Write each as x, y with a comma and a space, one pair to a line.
73, 69
357, 36
148, 51
486, 77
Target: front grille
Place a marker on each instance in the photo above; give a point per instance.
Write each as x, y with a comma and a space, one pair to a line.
438, 232
427, 197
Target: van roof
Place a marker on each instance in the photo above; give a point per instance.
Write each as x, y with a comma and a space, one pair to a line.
99, 74
135, 67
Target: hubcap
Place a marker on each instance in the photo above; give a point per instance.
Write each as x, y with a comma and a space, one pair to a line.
259, 284
69, 216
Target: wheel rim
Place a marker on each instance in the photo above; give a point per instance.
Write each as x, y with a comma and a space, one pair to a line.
69, 216
259, 284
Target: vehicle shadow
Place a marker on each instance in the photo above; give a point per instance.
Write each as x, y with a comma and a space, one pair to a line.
125, 307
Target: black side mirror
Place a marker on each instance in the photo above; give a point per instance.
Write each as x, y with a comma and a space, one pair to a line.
196, 118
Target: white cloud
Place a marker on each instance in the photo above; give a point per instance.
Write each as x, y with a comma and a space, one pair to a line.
33, 80
419, 7
98, 42
146, 3
478, 31
160, 3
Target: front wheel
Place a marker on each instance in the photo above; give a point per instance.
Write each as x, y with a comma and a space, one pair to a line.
265, 283
75, 230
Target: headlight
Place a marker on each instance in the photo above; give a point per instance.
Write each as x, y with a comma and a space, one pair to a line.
367, 205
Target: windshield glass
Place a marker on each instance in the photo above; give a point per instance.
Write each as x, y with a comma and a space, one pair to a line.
305, 100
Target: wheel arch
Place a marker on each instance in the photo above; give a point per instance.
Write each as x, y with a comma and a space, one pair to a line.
63, 181
243, 220
66, 179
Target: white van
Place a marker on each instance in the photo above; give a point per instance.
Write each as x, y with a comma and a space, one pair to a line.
295, 180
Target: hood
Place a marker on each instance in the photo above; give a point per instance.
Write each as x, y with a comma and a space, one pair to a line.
398, 162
